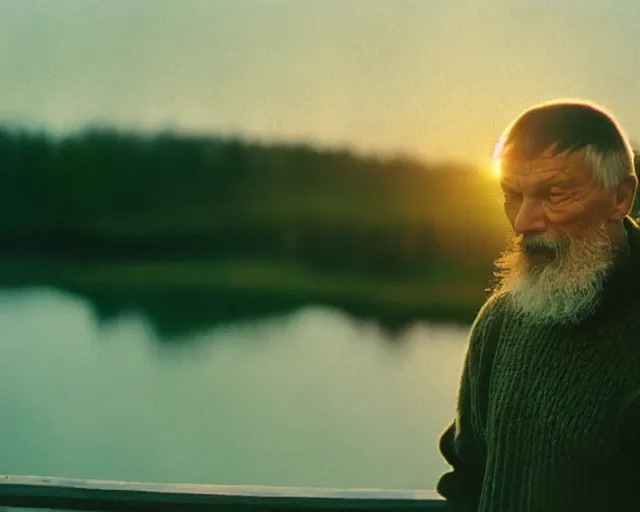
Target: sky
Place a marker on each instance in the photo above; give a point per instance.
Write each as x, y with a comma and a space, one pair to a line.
435, 79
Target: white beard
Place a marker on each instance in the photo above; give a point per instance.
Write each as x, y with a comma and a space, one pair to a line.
564, 289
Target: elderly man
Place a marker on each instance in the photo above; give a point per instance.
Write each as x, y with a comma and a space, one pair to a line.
548, 415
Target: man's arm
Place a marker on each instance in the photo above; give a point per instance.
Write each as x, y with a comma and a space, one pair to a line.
459, 446
462, 443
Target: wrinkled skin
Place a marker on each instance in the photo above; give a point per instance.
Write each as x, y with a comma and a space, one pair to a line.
557, 195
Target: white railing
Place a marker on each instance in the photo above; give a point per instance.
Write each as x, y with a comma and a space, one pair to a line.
30, 492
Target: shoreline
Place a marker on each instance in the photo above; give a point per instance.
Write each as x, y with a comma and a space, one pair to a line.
179, 296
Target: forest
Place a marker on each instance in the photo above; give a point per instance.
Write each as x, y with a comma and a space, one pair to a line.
200, 228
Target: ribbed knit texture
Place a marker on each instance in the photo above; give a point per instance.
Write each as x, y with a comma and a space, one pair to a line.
548, 417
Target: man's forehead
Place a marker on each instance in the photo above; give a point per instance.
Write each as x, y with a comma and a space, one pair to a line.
563, 164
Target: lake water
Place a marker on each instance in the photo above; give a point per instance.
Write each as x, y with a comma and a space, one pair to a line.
313, 398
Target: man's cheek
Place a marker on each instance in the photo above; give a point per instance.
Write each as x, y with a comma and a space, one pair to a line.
566, 212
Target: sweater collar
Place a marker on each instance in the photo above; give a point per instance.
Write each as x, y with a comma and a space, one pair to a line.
624, 278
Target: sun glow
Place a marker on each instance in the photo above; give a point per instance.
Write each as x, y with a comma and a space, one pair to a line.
495, 166
496, 161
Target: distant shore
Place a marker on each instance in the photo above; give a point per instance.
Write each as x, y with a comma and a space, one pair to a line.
197, 230
182, 295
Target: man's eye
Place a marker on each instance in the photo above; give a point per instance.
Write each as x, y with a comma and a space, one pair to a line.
511, 195
555, 194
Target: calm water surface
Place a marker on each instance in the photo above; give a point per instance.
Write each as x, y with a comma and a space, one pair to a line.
313, 398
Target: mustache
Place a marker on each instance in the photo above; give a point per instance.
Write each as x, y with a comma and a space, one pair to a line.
558, 244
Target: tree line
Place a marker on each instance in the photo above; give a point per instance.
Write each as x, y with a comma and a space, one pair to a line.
169, 195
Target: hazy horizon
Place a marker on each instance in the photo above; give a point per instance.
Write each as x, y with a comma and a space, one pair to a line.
433, 79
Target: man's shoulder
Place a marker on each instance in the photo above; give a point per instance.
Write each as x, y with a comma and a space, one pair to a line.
486, 328
493, 310
486, 331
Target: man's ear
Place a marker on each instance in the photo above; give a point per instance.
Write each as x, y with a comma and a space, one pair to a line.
625, 193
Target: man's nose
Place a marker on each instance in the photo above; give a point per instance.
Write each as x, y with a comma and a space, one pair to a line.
531, 218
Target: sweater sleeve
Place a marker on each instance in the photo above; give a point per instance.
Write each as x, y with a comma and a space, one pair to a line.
462, 443
629, 440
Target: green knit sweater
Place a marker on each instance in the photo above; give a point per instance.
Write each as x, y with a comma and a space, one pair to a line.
548, 417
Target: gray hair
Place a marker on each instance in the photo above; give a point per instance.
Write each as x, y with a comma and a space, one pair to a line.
572, 126
609, 168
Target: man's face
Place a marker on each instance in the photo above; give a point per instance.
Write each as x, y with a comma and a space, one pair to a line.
552, 195
562, 248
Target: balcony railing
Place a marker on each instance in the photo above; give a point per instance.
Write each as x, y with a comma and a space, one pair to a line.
29, 492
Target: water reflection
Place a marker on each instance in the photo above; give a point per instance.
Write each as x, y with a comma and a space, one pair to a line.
313, 398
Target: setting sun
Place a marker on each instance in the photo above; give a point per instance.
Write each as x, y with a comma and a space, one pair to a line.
495, 167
